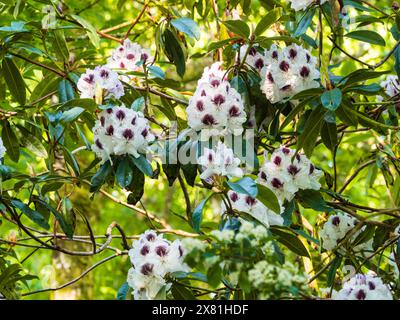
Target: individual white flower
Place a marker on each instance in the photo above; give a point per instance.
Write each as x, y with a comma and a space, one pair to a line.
256, 57
225, 235
100, 81
215, 108
336, 229
391, 85
221, 162
285, 177
245, 203
128, 55
190, 244
152, 258
363, 287
298, 5
287, 72
2, 149
120, 131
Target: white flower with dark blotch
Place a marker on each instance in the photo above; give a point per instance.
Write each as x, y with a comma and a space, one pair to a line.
363, 287
100, 81
285, 176
336, 229
391, 85
128, 55
2, 149
216, 107
298, 5
152, 258
219, 162
256, 57
120, 131
287, 72
245, 203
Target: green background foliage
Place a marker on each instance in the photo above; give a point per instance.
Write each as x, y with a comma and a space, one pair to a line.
44, 124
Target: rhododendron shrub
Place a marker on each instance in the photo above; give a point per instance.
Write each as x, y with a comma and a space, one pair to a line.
199, 150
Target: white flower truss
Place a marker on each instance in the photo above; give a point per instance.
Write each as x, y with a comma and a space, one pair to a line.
245, 203
287, 72
363, 287
100, 82
216, 107
298, 5
220, 162
256, 56
391, 85
2, 149
121, 131
285, 177
128, 55
152, 258
336, 229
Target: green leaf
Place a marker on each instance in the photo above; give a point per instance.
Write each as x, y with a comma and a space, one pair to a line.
65, 226
124, 173
100, 177
331, 99
137, 104
123, 291
367, 36
214, 275
33, 144
52, 186
312, 199
268, 198
143, 165
156, 72
219, 44
187, 26
197, 216
31, 214
290, 241
268, 20
10, 141
71, 114
245, 185
90, 30
71, 160
238, 27
304, 22
329, 135
65, 91
311, 131
332, 271
60, 45
14, 81
190, 173
180, 292
174, 51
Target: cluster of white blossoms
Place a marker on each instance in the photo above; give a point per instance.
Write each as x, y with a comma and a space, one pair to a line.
336, 229
100, 83
129, 56
255, 208
120, 131
363, 287
219, 162
271, 278
285, 177
304, 4
152, 258
287, 72
2, 149
215, 108
391, 85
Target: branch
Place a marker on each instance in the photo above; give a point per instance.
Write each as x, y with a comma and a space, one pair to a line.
77, 278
